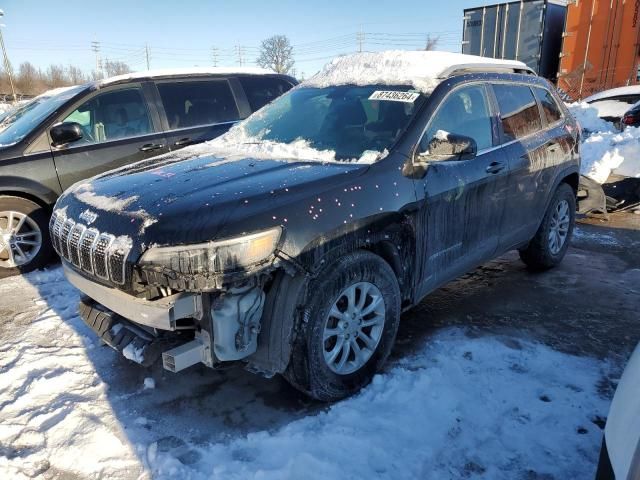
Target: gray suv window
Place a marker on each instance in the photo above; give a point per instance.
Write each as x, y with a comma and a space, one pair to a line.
111, 116
261, 90
197, 103
518, 110
463, 112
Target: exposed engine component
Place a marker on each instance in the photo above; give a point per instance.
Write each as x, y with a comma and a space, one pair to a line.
236, 322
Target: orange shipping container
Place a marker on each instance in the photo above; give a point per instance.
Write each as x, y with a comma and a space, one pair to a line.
600, 48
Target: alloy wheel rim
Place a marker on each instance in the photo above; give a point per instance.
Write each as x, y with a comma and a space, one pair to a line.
20, 239
559, 228
353, 328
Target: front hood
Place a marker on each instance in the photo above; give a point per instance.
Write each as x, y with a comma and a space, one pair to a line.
172, 200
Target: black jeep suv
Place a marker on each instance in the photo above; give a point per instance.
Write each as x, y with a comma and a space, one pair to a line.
73, 133
293, 242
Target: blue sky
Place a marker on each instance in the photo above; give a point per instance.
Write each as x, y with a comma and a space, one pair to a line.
182, 34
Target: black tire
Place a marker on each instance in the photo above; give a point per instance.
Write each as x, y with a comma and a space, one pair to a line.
538, 254
307, 370
40, 216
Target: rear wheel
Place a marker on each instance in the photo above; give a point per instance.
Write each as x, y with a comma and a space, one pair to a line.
24, 235
350, 320
549, 245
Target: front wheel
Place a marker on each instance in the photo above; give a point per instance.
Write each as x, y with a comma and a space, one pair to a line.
348, 327
549, 245
24, 235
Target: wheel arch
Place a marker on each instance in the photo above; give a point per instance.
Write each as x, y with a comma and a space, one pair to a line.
27, 189
390, 237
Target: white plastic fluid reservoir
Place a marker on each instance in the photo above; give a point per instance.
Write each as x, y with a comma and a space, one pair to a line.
236, 322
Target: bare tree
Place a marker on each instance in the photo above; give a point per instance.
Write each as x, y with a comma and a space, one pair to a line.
116, 67
432, 42
56, 76
276, 53
75, 75
29, 79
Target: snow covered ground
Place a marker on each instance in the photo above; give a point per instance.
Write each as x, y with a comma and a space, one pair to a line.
460, 406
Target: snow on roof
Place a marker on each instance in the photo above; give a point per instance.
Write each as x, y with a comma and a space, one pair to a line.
169, 72
421, 69
614, 92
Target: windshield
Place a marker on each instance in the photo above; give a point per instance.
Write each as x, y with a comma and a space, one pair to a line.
17, 125
347, 120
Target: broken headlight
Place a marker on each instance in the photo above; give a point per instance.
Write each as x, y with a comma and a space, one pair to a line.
215, 257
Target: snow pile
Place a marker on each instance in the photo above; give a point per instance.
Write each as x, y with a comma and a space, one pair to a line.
606, 150
5, 107
134, 354
587, 117
420, 69
461, 407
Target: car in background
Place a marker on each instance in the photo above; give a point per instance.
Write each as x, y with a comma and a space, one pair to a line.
620, 453
631, 117
613, 104
58, 139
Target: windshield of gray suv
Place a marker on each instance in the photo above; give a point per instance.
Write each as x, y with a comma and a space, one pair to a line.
24, 119
348, 120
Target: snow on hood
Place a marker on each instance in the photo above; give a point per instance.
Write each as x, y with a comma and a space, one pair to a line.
84, 192
421, 69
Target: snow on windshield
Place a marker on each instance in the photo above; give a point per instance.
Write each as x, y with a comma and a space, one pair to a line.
237, 143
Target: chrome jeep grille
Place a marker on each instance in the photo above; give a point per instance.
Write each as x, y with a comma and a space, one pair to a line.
98, 253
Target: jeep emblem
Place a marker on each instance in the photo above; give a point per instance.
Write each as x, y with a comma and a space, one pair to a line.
88, 216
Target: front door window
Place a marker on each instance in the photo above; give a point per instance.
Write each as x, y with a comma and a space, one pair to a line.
111, 116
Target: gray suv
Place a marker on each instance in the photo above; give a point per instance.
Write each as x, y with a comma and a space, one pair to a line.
74, 133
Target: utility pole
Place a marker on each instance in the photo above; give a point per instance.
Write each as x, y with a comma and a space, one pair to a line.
146, 54
360, 38
95, 46
240, 53
214, 56
7, 65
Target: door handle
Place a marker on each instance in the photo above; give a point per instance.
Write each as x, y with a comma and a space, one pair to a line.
495, 167
182, 142
150, 147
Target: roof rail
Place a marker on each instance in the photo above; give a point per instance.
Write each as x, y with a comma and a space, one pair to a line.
460, 69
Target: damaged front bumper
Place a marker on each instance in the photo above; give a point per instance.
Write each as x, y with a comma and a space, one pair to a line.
185, 328
161, 314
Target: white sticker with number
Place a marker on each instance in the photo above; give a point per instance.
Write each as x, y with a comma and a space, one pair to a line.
394, 96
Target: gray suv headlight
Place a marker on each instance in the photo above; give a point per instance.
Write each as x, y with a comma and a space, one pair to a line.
216, 257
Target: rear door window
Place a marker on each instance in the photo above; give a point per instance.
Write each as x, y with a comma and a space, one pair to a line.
112, 115
262, 90
518, 111
549, 105
197, 103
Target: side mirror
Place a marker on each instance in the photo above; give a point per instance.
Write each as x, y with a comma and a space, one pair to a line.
450, 146
67, 132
